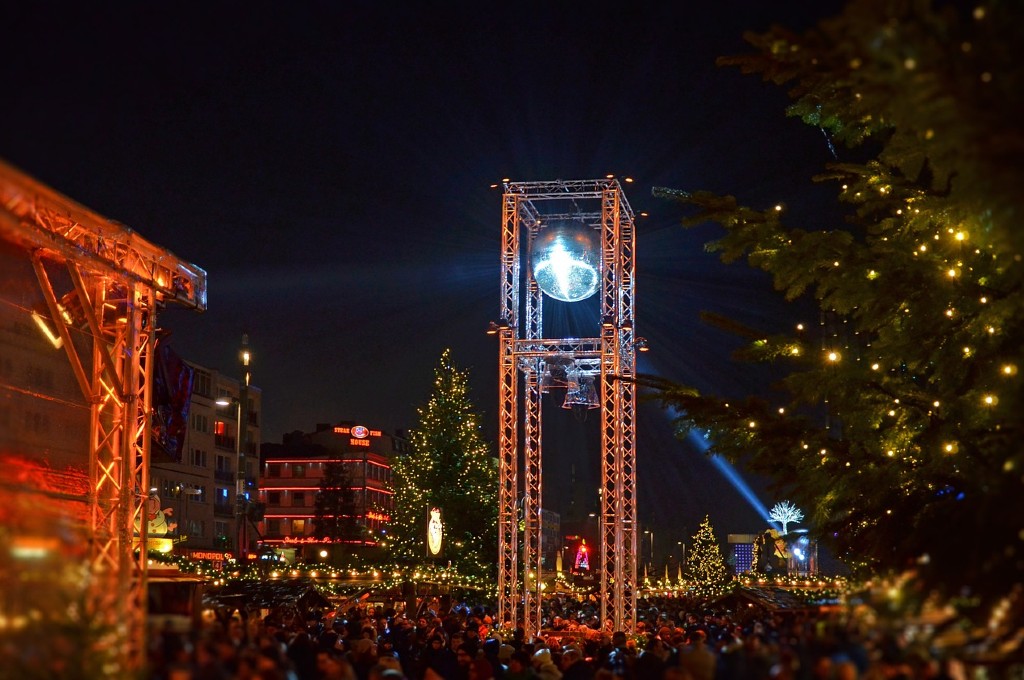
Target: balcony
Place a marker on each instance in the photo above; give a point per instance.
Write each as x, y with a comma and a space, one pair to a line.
224, 476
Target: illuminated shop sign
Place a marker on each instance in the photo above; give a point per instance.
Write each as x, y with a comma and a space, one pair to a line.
358, 433
208, 555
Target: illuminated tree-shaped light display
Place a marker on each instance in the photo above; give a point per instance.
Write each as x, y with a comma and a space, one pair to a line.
915, 353
704, 563
582, 561
450, 468
784, 513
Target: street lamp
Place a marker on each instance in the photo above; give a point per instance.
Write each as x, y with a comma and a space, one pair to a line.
239, 474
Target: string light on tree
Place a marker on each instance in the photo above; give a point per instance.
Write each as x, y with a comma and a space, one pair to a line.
929, 359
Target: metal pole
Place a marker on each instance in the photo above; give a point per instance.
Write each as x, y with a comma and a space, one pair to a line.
243, 408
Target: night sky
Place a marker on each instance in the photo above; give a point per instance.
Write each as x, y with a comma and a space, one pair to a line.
330, 166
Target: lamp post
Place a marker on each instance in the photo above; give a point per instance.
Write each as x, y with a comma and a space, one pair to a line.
648, 531
240, 533
244, 357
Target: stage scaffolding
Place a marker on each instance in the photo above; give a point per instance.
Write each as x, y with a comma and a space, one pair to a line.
118, 281
526, 356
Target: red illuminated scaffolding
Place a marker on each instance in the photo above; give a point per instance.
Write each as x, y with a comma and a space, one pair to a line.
611, 356
118, 282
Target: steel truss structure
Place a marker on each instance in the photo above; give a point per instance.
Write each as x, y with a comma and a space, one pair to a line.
119, 281
528, 207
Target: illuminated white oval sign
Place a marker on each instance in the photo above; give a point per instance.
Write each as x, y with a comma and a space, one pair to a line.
360, 432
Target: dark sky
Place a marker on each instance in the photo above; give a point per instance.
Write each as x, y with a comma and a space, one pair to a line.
329, 165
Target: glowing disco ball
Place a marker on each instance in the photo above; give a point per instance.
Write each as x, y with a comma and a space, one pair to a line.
566, 262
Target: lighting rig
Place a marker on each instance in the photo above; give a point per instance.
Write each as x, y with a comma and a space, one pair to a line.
577, 239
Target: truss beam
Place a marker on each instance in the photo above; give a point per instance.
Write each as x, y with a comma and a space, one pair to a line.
119, 281
526, 208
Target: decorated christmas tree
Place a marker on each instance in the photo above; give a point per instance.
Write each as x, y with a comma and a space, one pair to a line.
704, 564
451, 469
898, 423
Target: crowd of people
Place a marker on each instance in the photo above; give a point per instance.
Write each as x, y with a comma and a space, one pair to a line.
674, 640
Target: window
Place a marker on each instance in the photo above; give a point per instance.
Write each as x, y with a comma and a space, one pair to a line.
274, 470
166, 488
299, 499
273, 498
222, 464
200, 423
220, 528
298, 527
197, 457
298, 470
201, 384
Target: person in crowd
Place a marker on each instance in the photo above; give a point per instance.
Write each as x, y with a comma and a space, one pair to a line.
619, 659
699, 661
575, 666
519, 666
332, 665
652, 661
545, 666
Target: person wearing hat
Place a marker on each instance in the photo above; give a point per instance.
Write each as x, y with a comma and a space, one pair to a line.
544, 666
574, 666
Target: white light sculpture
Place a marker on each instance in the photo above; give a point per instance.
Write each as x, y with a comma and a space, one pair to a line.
566, 262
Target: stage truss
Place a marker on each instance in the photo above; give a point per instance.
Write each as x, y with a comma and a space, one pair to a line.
118, 282
610, 356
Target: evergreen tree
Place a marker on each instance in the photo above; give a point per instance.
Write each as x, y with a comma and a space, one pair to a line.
335, 512
449, 467
704, 563
902, 433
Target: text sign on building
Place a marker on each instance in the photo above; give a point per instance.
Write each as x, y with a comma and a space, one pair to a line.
359, 434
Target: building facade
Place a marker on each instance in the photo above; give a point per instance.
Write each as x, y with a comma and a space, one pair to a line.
201, 490
293, 474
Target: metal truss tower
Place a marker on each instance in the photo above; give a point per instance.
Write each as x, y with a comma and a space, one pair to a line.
525, 356
119, 280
